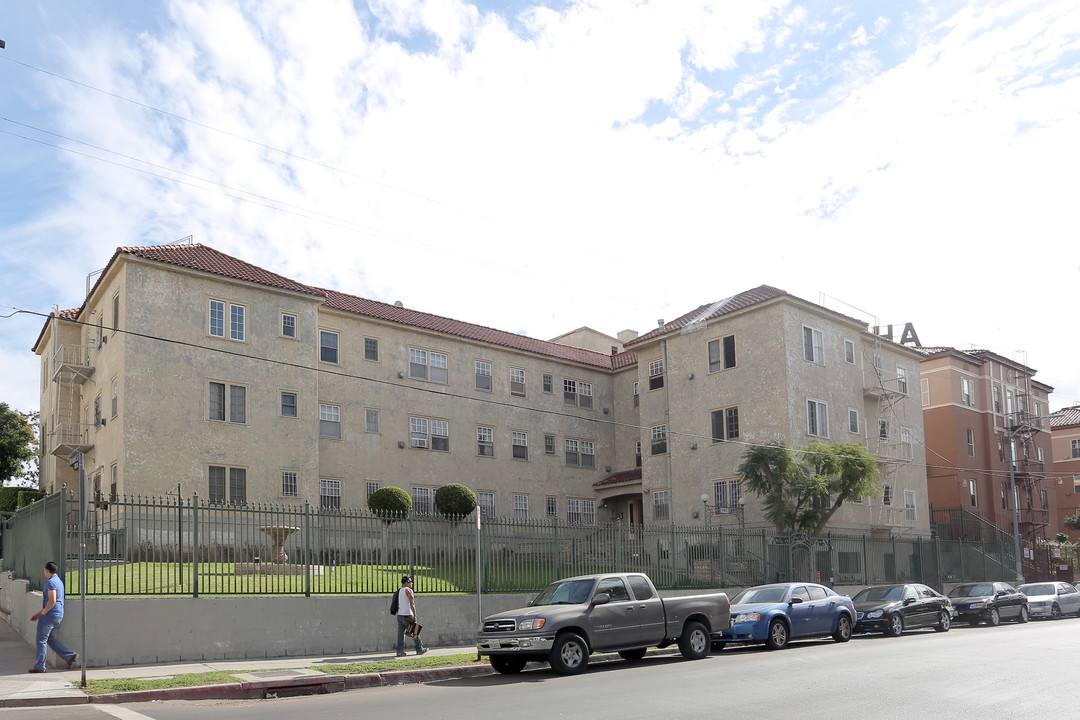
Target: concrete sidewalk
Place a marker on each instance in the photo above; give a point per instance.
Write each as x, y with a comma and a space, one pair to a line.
19, 688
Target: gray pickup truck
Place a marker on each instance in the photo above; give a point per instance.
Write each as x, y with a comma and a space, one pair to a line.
614, 612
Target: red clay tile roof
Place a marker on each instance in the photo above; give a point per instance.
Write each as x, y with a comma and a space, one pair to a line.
623, 359
207, 259
712, 310
436, 323
619, 477
1066, 417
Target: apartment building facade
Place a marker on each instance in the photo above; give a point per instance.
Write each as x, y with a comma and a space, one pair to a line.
984, 417
187, 367
1065, 452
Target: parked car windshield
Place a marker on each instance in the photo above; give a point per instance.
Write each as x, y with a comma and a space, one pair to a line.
980, 590
1037, 589
879, 594
761, 595
571, 592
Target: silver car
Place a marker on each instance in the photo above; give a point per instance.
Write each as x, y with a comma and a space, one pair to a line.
1052, 599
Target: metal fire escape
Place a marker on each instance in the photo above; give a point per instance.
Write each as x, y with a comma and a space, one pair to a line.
888, 435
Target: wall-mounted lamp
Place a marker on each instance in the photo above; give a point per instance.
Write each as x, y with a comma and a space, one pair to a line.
607, 468
606, 411
104, 339
401, 444
401, 374
693, 445
689, 376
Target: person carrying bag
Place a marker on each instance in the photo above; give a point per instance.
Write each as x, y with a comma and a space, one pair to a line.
403, 605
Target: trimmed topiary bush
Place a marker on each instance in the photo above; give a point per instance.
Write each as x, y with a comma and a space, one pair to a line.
455, 500
390, 502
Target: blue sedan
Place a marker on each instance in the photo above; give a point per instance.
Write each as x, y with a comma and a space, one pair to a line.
775, 614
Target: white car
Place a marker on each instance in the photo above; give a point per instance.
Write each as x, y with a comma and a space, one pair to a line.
1052, 599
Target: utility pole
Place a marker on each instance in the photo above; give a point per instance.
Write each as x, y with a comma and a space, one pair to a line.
76, 462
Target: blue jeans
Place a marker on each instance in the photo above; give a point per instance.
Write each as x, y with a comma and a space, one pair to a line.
402, 623
47, 625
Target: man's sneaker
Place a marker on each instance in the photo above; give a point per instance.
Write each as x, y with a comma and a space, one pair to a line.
401, 653
72, 661
421, 651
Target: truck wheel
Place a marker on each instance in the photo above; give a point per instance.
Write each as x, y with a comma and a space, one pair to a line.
569, 655
778, 635
507, 665
632, 655
944, 621
896, 625
843, 629
694, 643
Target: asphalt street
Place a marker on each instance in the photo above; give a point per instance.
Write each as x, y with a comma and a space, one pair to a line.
967, 672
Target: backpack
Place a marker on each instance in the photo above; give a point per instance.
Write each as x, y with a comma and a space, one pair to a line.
394, 602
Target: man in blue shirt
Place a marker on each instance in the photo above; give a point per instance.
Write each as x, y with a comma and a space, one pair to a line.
48, 621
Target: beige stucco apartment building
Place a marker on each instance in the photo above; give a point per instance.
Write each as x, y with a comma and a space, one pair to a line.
188, 367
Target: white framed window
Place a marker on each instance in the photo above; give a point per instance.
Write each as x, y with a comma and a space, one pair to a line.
237, 322
580, 453
288, 325
217, 318
440, 435
910, 512
486, 501
659, 439
726, 494
426, 365
588, 454
637, 397
661, 507
901, 380
907, 448
370, 487
637, 453
371, 349
548, 383
329, 421
115, 396
573, 452
422, 500
588, 512
853, 420
721, 353
485, 441
328, 346
1076, 484
228, 403
1074, 446
883, 429
289, 484
973, 493
997, 399
569, 392
517, 382
725, 424
1004, 496
965, 391
817, 418
418, 432
585, 395
371, 420
886, 494
971, 442
656, 374
289, 402
116, 312
483, 375
520, 441
849, 351
813, 345
549, 444
924, 386
521, 507
879, 362
551, 506
573, 510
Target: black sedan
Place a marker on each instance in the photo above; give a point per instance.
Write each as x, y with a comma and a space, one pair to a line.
891, 609
989, 602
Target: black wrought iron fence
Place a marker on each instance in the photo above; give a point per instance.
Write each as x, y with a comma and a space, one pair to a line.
188, 547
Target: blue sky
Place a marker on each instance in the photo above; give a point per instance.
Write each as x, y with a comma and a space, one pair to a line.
537, 167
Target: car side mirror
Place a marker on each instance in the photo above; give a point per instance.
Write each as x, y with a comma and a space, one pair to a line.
794, 601
601, 599
908, 601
